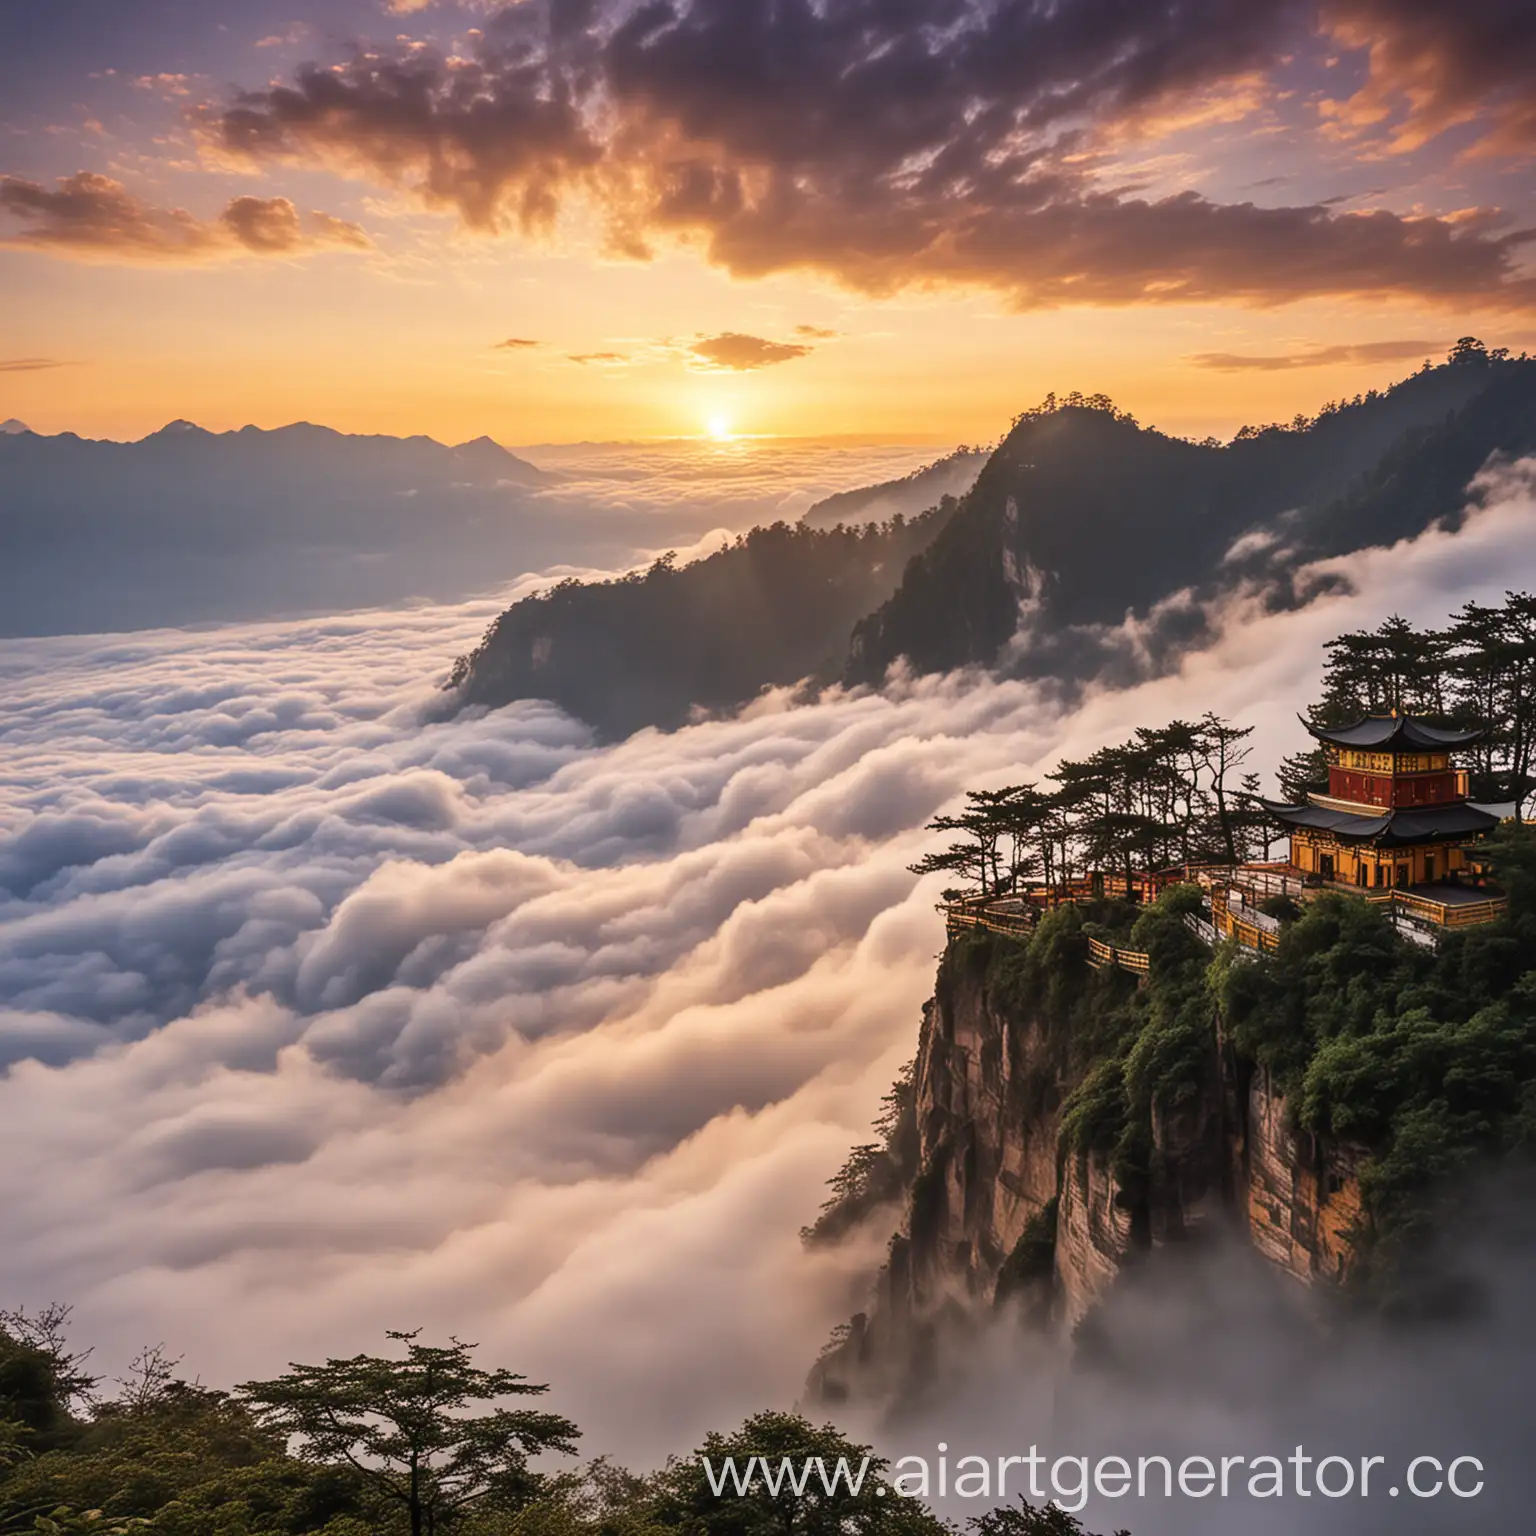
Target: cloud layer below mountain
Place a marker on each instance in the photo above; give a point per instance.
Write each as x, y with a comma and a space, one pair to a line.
326, 1015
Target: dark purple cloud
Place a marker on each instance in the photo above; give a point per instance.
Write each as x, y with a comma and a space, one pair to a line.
93, 217
887, 143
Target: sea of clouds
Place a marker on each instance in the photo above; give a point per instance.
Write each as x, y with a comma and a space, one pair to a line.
322, 1014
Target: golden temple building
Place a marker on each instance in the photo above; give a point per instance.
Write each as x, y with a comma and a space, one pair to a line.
1396, 813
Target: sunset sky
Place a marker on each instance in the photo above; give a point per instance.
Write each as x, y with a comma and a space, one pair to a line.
595, 219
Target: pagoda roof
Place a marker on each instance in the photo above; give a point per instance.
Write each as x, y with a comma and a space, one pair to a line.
1394, 829
1393, 733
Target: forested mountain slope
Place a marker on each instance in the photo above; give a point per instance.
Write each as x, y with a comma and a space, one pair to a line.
775, 606
1082, 517
953, 475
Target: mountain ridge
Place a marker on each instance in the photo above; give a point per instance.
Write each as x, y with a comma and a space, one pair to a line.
346, 448
1049, 506
1078, 519
952, 476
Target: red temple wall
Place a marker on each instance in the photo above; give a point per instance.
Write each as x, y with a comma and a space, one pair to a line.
1384, 790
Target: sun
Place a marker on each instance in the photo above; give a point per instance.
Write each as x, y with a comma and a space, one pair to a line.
719, 426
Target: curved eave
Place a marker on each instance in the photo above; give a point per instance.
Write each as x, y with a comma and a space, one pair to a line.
1397, 829
1392, 733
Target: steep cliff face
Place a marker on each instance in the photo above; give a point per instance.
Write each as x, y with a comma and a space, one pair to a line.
1301, 1199
1095, 1234
997, 1207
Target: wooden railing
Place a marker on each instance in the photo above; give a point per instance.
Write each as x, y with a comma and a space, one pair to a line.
1259, 879
990, 918
1017, 915
1446, 914
1013, 918
1205, 931
1101, 955
1247, 932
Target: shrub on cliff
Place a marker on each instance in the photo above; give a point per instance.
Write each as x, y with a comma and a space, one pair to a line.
1164, 1045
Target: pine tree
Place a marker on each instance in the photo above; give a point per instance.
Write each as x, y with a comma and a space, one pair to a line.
400, 1424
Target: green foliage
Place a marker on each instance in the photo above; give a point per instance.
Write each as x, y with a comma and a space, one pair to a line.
1098, 1110
1335, 968
1429, 1095
1045, 974
65, 1521
876, 1173
329, 1451
1425, 1059
684, 1501
1023, 1519
1033, 1258
400, 1424
42, 1380
1087, 1018
189, 1460
1167, 797
1164, 1048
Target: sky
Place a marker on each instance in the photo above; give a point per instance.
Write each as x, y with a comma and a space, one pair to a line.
566, 220
322, 1014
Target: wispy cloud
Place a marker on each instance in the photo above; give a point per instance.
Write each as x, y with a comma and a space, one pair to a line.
29, 364
1316, 357
1433, 67
740, 353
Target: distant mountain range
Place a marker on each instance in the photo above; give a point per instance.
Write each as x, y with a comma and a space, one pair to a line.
1078, 519
187, 525
227, 475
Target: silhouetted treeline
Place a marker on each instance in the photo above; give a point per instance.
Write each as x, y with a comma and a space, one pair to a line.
770, 608
953, 475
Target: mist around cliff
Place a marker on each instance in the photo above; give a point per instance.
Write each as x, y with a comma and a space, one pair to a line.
1206, 1351
323, 1015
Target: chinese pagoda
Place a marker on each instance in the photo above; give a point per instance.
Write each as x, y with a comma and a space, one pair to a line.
1396, 813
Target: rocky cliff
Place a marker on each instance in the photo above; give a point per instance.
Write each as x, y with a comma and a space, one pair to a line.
1006, 1197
